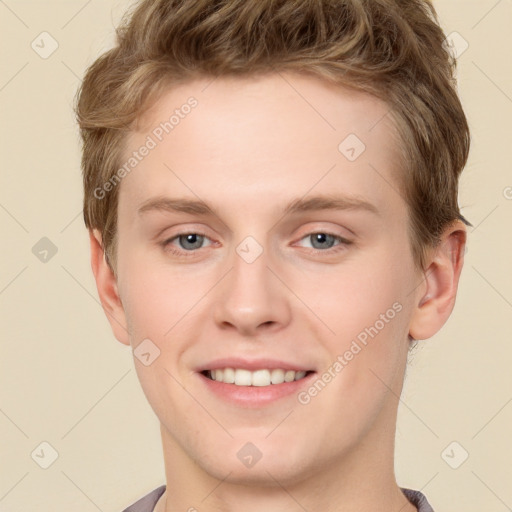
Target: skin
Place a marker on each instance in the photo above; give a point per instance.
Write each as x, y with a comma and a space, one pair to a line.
249, 148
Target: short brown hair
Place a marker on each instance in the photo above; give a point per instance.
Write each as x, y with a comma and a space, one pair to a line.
392, 49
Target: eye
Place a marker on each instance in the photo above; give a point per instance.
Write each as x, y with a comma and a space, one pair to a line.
324, 241
187, 243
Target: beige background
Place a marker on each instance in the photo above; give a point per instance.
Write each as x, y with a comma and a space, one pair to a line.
66, 381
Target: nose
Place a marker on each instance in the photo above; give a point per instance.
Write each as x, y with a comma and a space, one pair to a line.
251, 299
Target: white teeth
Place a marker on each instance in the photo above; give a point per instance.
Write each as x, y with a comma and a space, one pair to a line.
241, 377
261, 378
300, 375
229, 376
289, 376
277, 376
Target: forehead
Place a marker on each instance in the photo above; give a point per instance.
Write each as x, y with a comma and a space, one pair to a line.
256, 138
282, 103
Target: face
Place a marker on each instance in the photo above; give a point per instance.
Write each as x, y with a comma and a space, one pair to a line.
263, 230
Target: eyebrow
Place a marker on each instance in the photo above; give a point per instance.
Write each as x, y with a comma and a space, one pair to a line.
314, 203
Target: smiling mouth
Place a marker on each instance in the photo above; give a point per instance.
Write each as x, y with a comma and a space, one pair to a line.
261, 378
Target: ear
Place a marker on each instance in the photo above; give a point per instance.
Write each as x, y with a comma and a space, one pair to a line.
435, 299
107, 288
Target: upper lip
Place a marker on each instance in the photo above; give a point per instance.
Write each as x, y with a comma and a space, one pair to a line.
252, 364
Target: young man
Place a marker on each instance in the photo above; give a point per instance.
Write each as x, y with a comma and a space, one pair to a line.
271, 194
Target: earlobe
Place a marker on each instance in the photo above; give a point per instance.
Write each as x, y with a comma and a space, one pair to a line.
441, 278
106, 285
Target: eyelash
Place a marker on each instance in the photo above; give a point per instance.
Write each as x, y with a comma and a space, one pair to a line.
187, 254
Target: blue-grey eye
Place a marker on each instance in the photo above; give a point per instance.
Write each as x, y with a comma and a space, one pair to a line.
195, 240
322, 240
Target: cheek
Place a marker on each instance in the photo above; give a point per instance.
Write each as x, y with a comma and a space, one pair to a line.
364, 330
157, 297
357, 296
156, 305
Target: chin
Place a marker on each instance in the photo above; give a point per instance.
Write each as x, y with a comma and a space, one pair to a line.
261, 463
262, 475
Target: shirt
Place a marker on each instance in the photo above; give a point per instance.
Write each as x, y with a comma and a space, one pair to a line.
147, 503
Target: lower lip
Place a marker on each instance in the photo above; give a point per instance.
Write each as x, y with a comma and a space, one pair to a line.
255, 396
